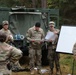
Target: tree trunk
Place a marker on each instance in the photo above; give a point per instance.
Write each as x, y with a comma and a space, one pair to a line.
33, 3
44, 3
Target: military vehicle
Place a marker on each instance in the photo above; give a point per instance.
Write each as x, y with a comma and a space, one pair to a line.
21, 19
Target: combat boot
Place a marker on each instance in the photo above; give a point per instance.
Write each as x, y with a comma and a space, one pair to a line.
32, 72
15, 67
39, 71
57, 71
51, 72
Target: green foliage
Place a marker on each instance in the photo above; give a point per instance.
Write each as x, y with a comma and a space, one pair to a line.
66, 61
67, 8
53, 3
8, 3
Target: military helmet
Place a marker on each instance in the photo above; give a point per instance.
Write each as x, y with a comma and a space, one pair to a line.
51, 23
3, 36
5, 22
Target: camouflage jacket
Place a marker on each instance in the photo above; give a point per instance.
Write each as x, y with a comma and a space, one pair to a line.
8, 33
8, 52
74, 49
38, 36
54, 42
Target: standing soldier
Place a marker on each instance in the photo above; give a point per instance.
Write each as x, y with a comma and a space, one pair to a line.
52, 55
7, 53
35, 36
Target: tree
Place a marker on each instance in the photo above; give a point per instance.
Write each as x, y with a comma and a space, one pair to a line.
34, 3
43, 4
67, 10
67, 7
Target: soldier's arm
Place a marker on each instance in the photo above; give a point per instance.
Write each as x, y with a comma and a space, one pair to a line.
10, 36
28, 35
16, 54
57, 31
43, 35
74, 51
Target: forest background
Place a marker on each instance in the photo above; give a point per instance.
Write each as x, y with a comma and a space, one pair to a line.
67, 8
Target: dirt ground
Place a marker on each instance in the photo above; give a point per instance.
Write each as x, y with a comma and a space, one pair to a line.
63, 72
64, 69
28, 73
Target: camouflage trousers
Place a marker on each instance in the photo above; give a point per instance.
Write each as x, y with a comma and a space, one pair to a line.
15, 66
4, 70
53, 57
35, 58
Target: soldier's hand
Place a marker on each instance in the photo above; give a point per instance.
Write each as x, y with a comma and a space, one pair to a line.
50, 40
41, 41
10, 38
32, 40
55, 32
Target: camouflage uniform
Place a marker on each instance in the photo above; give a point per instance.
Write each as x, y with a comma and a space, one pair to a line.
8, 33
74, 51
35, 47
53, 56
8, 53
9, 40
14, 66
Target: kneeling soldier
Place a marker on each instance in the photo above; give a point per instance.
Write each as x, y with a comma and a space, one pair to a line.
7, 53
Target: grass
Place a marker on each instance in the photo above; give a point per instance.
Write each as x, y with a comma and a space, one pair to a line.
66, 62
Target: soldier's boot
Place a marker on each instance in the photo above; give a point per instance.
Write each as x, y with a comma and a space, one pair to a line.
57, 71
51, 72
15, 66
32, 72
39, 71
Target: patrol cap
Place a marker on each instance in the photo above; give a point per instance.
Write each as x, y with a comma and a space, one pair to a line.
5, 22
37, 24
51, 23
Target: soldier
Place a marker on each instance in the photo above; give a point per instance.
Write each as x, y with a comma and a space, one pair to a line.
35, 36
52, 55
7, 31
74, 51
5, 23
7, 53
